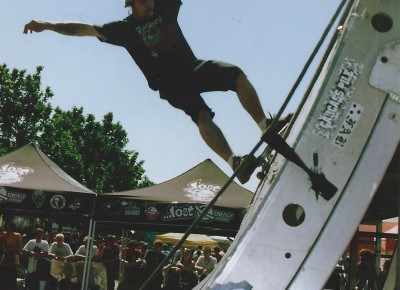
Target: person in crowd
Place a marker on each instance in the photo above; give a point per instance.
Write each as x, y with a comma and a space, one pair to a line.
111, 263
153, 258
38, 268
366, 272
8, 272
1, 243
196, 255
198, 252
177, 256
385, 271
132, 256
165, 249
144, 247
66, 282
217, 254
206, 263
12, 240
80, 254
60, 250
185, 267
110, 242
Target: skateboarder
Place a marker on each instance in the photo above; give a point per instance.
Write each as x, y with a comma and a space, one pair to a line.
153, 38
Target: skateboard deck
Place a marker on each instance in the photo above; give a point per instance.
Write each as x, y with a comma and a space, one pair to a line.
266, 156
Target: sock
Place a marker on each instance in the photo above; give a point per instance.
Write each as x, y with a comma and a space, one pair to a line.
230, 160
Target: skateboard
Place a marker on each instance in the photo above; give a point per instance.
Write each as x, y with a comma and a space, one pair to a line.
275, 141
264, 159
251, 162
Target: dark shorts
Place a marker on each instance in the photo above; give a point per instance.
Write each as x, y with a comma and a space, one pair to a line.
183, 90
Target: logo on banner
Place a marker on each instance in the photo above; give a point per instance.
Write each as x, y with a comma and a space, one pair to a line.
151, 213
113, 209
9, 196
198, 191
38, 198
192, 211
58, 201
131, 209
3, 195
75, 205
10, 174
125, 208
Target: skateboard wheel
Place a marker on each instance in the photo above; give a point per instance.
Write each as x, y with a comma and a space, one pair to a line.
260, 175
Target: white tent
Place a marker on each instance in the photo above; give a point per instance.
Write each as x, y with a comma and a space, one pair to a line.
192, 241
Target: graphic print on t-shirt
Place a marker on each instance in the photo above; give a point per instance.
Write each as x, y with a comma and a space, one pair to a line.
157, 34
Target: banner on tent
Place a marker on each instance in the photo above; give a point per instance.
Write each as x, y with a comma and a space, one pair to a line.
31, 201
158, 216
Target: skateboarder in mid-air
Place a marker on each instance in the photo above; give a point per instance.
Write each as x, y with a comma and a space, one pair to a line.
153, 38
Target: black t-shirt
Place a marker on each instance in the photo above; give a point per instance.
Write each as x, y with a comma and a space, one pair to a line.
157, 45
8, 276
153, 259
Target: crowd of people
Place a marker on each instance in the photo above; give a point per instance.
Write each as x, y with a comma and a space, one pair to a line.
26, 262
183, 271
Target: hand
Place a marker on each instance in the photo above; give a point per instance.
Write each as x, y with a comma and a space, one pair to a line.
34, 26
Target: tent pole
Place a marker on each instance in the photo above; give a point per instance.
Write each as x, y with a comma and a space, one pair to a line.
88, 258
397, 283
122, 259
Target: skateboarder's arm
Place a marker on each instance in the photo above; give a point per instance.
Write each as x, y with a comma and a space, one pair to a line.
66, 28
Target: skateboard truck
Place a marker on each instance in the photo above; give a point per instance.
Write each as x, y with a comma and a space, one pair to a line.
320, 184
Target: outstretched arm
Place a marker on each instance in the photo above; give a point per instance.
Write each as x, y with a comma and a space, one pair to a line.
66, 28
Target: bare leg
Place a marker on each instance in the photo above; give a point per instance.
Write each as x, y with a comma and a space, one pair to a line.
249, 99
213, 135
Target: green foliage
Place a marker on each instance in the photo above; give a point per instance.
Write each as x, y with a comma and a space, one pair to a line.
91, 152
24, 107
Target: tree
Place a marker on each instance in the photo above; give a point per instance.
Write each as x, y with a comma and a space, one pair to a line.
24, 107
91, 152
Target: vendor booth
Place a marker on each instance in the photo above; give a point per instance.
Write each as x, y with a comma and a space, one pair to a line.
173, 205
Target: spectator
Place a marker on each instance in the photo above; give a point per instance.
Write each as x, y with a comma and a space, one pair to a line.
59, 250
185, 268
38, 268
134, 267
217, 254
385, 271
80, 254
1, 243
196, 255
165, 249
177, 256
153, 259
366, 273
110, 243
12, 240
8, 272
198, 252
206, 263
110, 262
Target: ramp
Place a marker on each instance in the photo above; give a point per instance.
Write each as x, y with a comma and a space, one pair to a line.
348, 129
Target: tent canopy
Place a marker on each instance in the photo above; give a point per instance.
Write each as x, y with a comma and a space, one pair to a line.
173, 205
198, 185
192, 241
32, 184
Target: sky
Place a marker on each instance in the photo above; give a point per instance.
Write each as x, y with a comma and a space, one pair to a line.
270, 40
